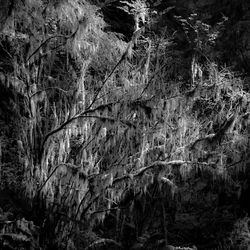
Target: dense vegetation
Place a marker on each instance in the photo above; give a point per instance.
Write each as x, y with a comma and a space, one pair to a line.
122, 135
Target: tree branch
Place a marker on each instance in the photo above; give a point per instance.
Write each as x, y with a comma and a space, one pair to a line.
83, 115
141, 171
39, 91
207, 137
65, 164
104, 82
48, 39
103, 243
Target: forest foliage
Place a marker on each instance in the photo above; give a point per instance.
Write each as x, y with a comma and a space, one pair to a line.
103, 121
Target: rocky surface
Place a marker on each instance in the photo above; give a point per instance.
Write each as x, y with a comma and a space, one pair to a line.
233, 47
16, 232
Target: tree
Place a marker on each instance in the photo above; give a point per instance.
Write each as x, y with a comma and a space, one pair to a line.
108, 126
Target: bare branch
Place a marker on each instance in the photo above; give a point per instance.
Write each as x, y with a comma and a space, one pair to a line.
83, 115
159, 164
103, 243
61, 164
123, 57
39, 91
50, 38
207, 137
141, 171
104, 82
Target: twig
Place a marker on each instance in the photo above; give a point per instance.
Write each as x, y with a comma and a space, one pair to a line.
65, 164
82, 115
57, 88
207, 137
141, 171
48, 39
149, 81
104, 82
103, 243
123, 57
39, 189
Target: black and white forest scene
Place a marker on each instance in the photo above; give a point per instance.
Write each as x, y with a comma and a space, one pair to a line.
124, 124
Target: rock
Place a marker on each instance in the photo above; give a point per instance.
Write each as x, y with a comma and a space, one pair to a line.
20, 234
